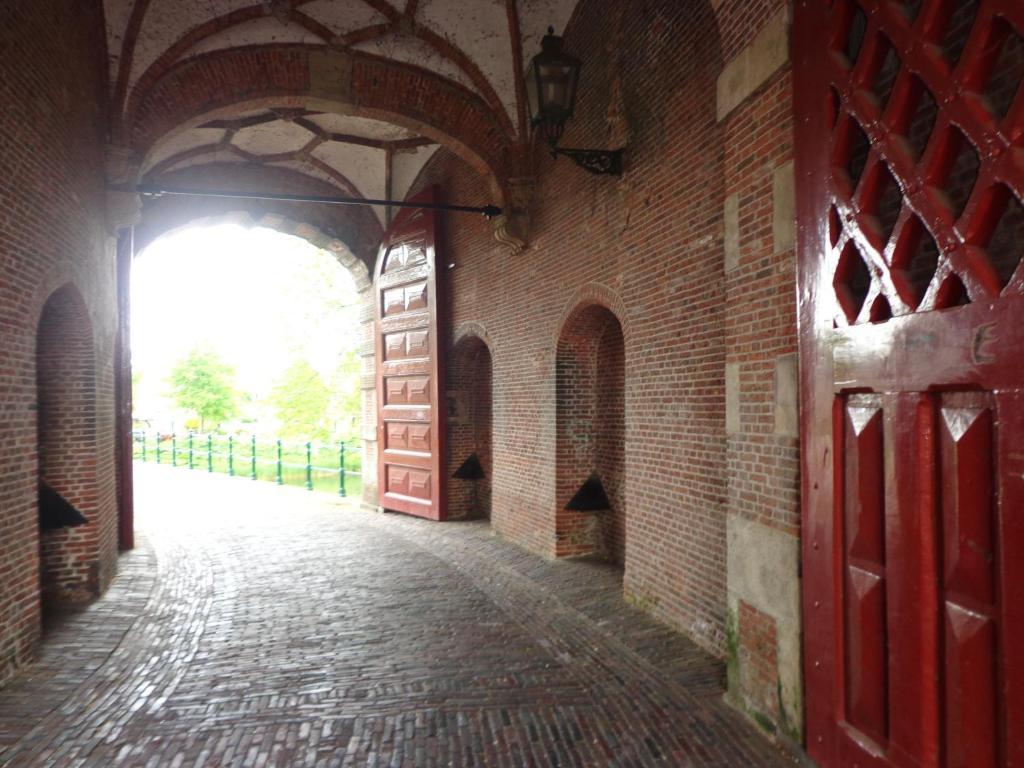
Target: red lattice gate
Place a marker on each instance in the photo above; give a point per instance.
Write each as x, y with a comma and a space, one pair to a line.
910, 145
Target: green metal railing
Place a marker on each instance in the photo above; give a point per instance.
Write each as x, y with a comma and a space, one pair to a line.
312, 465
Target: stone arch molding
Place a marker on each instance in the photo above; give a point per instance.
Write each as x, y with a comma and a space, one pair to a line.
64, 273
591, 294
472, 329
308, 232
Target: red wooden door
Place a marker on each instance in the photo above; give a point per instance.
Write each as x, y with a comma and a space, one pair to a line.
410, 387
910, 161
123, 392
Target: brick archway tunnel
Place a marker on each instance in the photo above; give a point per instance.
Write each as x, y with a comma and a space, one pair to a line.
811, 254
387, 98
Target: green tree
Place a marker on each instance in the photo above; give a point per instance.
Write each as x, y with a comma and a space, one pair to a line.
204, 384
301, 398
347, 406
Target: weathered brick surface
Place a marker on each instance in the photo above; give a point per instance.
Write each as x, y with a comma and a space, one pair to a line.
761, 311
166, 62
52, 232
77, 644
758, 666
287, 628
739, 22
762, 464
650, 248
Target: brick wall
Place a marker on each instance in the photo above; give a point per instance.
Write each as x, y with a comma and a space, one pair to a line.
762, 447
52, 217
761, 311
610, 437
649, 248
695, 286
757, 657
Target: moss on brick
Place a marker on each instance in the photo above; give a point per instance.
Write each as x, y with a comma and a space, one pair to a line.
644, 602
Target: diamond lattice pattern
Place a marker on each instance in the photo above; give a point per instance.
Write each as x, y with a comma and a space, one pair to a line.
927, 155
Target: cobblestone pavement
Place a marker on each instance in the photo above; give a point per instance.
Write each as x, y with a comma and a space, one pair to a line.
264, 626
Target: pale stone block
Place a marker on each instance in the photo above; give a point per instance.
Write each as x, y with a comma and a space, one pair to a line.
732, 232
330, 74
732, 397
784, 208
366, 309
124, 209
763, 569
752, 66
787, 396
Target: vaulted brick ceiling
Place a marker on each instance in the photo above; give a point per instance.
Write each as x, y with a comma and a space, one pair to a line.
478, 45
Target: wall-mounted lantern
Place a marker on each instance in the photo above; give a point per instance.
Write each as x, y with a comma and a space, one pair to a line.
551, 83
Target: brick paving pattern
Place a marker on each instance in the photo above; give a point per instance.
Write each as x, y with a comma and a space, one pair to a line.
262, 626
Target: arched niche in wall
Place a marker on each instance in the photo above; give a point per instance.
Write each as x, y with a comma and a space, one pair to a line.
66, 427
470, 414
590, 415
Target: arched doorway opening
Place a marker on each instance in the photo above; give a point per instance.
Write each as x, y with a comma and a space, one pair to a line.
268, 311
590, 412
470, 414
71, 555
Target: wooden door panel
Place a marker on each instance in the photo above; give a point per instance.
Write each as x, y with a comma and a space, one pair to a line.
409, 369
865, 579
969, 502
923, 675
910, 127
866, 654
913, 591
1009, 459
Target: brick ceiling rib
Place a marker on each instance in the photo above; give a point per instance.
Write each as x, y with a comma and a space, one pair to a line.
479, 45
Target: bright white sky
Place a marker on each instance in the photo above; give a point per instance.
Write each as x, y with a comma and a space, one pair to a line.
257, 297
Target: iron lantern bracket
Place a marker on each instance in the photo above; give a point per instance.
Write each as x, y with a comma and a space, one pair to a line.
603, 162
597, 161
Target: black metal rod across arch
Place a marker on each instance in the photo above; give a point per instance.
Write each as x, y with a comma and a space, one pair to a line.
154, 190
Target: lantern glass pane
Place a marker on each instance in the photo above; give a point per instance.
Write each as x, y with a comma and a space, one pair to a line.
531, 94
557, 80
554, 96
